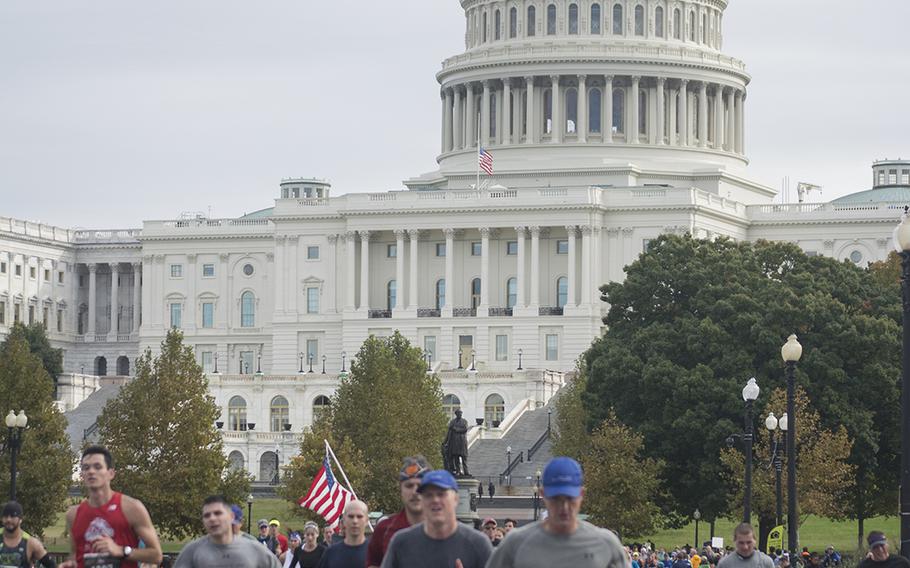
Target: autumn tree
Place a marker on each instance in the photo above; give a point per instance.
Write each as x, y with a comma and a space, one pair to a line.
167, 451
36, 336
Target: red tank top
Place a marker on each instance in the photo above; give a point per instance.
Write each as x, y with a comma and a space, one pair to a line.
91, 523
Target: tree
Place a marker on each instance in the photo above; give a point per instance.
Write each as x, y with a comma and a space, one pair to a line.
46, 460
161, 431
387, 408
695, 319
36, 336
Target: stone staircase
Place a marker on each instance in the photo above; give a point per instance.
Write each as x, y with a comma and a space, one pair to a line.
82, 419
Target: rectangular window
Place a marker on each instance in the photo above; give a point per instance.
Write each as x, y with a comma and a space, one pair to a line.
552, 347
645, 245
512, 248
391, 251
208, 315
18, 270
502, 347
60, 277
59, 321
3, 313
312, 300
312, 253
45, 316
47, 275
32, 272
176, 271
246, 363
2, 268
476, 249
429, 346
176, 313
31, 315
15, 313
208, 270
562, 247
440, 249
82, 280
312, 350
207, 362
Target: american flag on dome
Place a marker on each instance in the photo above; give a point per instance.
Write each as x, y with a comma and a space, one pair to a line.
326, 497
485, 159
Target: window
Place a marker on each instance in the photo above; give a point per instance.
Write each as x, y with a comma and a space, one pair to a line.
32, 271
532, 21
892, 179
82, 281
642, 112
512, 248
237, 413
562, 291
494, 410
208, 315
279, 414
552, 347
617, 19
692, 26
207, 361
562, 246
2, 268
571, 110
440, 249
450, 404
677, 24
595, 19
247, 309
476, 249
856, 257
493, 120
312, 350
248, 270
31, 315
484, 28
595, 105
475, 293
391, 295
312, 300
16, 313
511, 292
246, 362
59, 321
551, 19
320, 406
659, 21
573, 19
502, 347
645, 245
391, 251
704, 27
513, 23
176, 271
2, 312
208, 270
429, 346
639, 20
497, 21
619, 111
18, 270
47, 275
440, 293
59, 277
176, 313
235, 458
312, 253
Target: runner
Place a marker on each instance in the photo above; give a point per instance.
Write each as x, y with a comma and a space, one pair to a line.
747, 556
237, 525
352, 553
105, 529
19, 551
412, 513
310, 553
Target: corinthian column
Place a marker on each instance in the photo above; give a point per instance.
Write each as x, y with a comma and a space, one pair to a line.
484, 271
581, 109
350, 302
683, 112
505, 131
447, 125
608, 108
555, 111
485, 115
365, 270
399, 265
471, 118
703, 115
632, 129
92, 302
531, 135
457, 121
414, 234
535, 266
661, 88
520, 276
137, 295
115, 303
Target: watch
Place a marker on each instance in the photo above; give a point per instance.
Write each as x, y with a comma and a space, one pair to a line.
127, 550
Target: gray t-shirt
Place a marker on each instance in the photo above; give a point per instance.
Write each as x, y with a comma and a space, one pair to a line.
758, 560
412, 548
588, 547
242, 553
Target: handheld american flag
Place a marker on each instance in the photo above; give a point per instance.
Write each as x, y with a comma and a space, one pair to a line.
485, 159
326, 497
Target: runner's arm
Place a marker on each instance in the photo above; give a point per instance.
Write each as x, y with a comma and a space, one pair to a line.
141, 523
70, 519
37, 554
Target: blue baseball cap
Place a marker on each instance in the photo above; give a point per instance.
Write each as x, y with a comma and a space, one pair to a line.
562, 476
438, 478
238, 514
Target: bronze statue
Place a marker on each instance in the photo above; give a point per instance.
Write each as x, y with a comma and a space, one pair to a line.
455, 447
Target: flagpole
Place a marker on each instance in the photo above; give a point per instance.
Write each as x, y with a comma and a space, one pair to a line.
328, 448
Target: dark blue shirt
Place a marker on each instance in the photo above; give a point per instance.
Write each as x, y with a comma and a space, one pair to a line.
344, 556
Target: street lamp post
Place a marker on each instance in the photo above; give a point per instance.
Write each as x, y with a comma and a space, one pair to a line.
216, 363
16, 424
323, 364
549, 416
428, 357
697, 516
473, 359
519, 359
249, 513
773, 424
508, 464
277, 478
343, 355
259, 363
791, 352
537, 497
310, 357
902, 244
300, 356
750, 394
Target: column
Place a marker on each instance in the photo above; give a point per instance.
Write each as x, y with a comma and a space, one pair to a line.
586, 264
729, 140
471, 118
683, 112
719, 117
330, 294
572, 232
555, 111
740, 137
484, 271
226, 281
596, 256
457, 121
414, 234
703, 115
399, 265
671, 122
498, 122
52, 316
581, 125
92, 269
535, 266
661, 107
632, 128
520, 276
505, 131
516, 113
450, 271
279, 281
530, 136
442, 129
189, 310
447, 125
350, 302
115, 303
365, 270
137, 297
608, 108
485, 115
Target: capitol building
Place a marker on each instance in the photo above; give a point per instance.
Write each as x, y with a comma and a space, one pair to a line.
609, 124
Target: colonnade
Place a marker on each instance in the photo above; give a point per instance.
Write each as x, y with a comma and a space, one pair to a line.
576, 108
113, 328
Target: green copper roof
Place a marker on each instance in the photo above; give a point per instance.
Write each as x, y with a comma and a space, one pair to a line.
878, 195
261, 214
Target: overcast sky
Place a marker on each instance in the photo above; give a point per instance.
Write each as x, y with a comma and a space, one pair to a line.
112, 112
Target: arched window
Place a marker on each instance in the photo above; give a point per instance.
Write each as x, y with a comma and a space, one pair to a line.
619, 110
704, 28
551, 19
595, 19
100, 367
677, 24
497, 21
235, 461
617, 19
450, 404
247, 309
279, 413
268, 467
440, 293
494, 410
237, 413
513, 23
547, 111
573, 19
639, 20
511, 292
571, 110
123, 366
692, 26
642, 112
475, 293
659, 21
483, 28
493, 121
531, 24
562, 291
391, 295
595, 107
320, 406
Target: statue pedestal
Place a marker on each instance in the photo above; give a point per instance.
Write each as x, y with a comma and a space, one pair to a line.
467, 501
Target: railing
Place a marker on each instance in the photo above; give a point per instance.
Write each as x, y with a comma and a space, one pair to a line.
500, 312
313, 201
464, 312
512, 465
543, 438
90, 431
379, 314
428, 313
124, 337
100, 337
549, 311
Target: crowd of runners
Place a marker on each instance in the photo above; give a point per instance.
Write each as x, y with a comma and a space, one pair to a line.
112, 530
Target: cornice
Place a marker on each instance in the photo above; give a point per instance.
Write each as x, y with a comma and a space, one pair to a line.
66, 247
161, 238
827, 222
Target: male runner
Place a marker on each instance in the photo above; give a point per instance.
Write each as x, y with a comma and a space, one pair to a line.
408, 482
220, 548
105, 529
747, 554
19, 551
352, 553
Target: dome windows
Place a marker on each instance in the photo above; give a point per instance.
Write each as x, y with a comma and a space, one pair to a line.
497, 23
532, 21
595, 105
513, 23
617, 19
571, 110
483, 27
640, 20
551, 19
619, 111
659, 21
573, 19
595, 19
